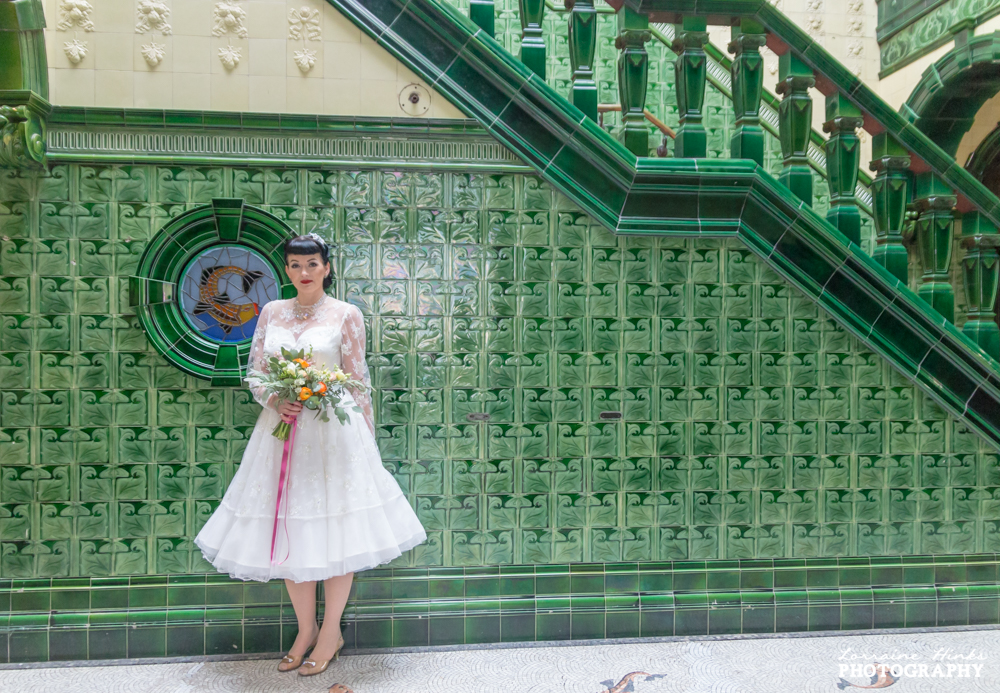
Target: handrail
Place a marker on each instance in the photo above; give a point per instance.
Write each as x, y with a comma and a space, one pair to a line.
657, 123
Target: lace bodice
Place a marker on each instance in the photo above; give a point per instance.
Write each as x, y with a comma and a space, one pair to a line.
334, 329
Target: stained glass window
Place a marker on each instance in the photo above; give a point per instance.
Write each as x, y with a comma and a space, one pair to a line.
223, 289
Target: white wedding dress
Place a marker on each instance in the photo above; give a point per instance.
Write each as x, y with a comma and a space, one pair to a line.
345, 512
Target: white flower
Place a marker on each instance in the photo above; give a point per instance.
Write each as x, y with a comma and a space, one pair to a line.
230, 56
305, 59
300, 381
153, 53
75, 50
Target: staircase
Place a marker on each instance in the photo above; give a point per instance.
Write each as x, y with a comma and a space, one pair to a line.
690, 195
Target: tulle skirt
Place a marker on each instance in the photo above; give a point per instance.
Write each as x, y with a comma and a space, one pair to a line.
344, 512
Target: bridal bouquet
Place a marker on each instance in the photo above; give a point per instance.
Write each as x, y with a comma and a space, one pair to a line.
293, 378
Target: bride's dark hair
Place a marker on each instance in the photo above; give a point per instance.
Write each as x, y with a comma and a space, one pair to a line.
310, 244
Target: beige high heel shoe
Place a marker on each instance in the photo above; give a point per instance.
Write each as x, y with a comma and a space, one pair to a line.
290, 663
312, 668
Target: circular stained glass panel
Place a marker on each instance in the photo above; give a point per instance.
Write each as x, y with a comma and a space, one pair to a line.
223, 289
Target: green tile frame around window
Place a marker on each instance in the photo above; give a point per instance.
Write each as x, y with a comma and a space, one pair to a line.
57, 619
704, 197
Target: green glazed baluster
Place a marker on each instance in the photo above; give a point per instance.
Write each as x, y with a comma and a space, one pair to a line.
633, 72
532, 42
689, 76
747, 71
979, 276
843, 156
582, 42
795, 124
890, 197
934, 236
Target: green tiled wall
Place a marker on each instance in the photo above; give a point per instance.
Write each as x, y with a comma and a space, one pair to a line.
752, 429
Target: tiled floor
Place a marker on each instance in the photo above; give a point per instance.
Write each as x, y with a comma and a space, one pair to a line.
760, 665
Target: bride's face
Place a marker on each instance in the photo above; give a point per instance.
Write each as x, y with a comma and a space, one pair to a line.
307, 272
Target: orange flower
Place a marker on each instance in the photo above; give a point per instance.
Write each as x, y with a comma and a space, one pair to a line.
301, 362
305, 393
321, 389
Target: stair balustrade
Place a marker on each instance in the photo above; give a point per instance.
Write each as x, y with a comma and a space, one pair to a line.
915, 181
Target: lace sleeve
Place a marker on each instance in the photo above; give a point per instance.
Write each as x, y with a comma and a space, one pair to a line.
257, 361
352, 351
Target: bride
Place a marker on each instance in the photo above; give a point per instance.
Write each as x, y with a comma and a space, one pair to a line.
343, 511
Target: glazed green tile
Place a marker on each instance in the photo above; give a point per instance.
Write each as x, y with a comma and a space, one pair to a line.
224, 594
791, 619
517, 585
28, 647
409, 632
587, 626
444, 630
690, 580
264, 593
147, 641
186, 641
68, 644
622, 582
890, 615
552, 626
145, 597
482, 629
551, 584
223, 639
625, 624
107, 643
825, 617
755, 579
517, 627
649, 581
185, 596
263, 638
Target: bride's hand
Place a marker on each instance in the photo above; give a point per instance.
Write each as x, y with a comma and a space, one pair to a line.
289, 410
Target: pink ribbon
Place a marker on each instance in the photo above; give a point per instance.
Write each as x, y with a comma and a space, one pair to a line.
286, 462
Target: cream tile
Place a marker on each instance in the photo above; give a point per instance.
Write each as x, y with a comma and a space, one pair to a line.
443, 108
192, 91
342, 60
113, 51
191, 17
267, 20
219, 43
139, 63
230, 92
380, 98
267, 57
376, 63
342, 96
338, 28
114, 16
304, 95
153, 90
71, 87
114, 88
267, 94
192, 54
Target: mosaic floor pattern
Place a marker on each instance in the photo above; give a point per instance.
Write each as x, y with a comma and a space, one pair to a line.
963, 661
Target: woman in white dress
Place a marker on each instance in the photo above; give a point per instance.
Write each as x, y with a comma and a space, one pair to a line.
343, 512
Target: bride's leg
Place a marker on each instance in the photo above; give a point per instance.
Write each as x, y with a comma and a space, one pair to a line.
335, 592
303, 596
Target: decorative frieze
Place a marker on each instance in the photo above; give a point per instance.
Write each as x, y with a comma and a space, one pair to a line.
22, 135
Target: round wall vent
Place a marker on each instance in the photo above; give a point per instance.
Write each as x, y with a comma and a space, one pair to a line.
414, 100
